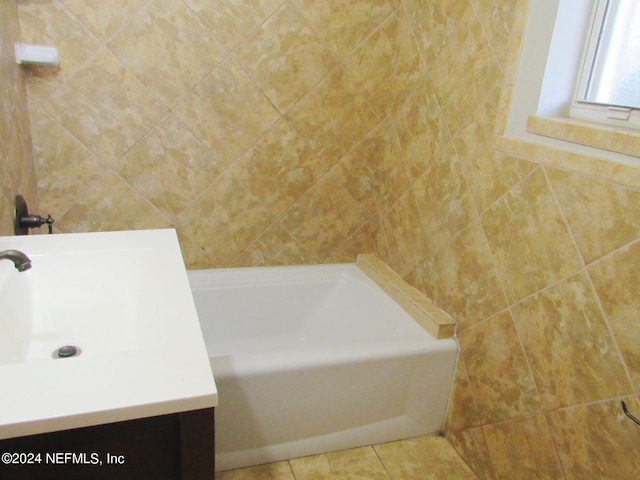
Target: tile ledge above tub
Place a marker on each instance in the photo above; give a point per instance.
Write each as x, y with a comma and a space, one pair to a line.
432, 318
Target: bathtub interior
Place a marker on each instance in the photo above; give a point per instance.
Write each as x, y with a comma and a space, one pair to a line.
314, 359
251, 310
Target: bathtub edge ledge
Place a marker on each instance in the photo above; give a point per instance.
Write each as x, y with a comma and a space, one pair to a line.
423, 310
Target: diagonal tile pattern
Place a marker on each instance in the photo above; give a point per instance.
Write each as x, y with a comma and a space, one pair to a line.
167, 48
16, 156
285, 58
343, 25
105, 107
156, 91
308, 131
227, 112
169, 166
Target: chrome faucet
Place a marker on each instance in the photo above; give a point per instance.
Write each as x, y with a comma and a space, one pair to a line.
19, 259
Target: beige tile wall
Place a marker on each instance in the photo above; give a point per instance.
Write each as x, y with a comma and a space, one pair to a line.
305, 131
540, 273
261, 129
17, 175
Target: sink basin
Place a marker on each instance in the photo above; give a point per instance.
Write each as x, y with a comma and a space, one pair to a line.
123, 298
101, 301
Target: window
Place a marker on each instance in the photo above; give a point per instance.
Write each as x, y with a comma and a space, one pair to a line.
549, 68
608, 89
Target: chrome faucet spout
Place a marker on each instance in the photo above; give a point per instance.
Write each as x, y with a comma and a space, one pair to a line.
19, 259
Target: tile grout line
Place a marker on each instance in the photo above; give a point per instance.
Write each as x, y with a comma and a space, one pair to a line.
293, 473
373, 447
585, 269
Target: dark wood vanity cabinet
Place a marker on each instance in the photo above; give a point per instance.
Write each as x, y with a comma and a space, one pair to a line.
177, 446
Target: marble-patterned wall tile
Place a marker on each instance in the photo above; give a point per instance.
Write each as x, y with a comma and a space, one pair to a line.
50, 23
193, 254
523, 448
462, 411
104, 19
361, 172
462, 279
409, 71
229, 70
573, 357
233, 20
434, 23
111, 204
529, 238
405, 234
363, 240
594, 210
444, 201
235, 218
343, 24
499, 374
489, 173
421, 128
496, 17
169, 166
227, 112
333, 116
65, 167
371, 65
285, 58
465, 71
167, 48
111, 109
615, 280
275, 246
279, 168
472, 446
597, 440
323, 217
395, 180
16, 159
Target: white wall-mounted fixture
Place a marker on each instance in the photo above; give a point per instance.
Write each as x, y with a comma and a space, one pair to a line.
36, 54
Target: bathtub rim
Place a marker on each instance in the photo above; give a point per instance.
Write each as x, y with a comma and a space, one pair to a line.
322, 356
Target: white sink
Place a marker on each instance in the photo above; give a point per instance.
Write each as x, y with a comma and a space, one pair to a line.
124, 299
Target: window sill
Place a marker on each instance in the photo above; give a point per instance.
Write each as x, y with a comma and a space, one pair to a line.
611, 153
607, 153
612, 139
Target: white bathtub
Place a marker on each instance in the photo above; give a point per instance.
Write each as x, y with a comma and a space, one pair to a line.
311, 359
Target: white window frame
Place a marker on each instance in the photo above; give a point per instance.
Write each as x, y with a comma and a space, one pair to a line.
594, 112
548, 61
547, 72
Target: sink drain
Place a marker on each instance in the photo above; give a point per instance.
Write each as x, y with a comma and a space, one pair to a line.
67, 351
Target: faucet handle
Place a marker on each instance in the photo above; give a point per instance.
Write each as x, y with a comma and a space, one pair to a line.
23, 220
49, 221
34, 221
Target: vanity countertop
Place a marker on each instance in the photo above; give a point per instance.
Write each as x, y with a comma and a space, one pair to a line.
124, 299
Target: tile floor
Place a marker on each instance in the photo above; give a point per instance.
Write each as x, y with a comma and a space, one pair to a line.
421, 458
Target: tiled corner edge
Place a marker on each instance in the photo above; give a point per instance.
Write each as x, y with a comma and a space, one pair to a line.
433, 319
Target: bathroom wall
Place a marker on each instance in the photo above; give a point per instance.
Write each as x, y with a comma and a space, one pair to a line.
259, 129
303, 131
16, 161
536, 254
